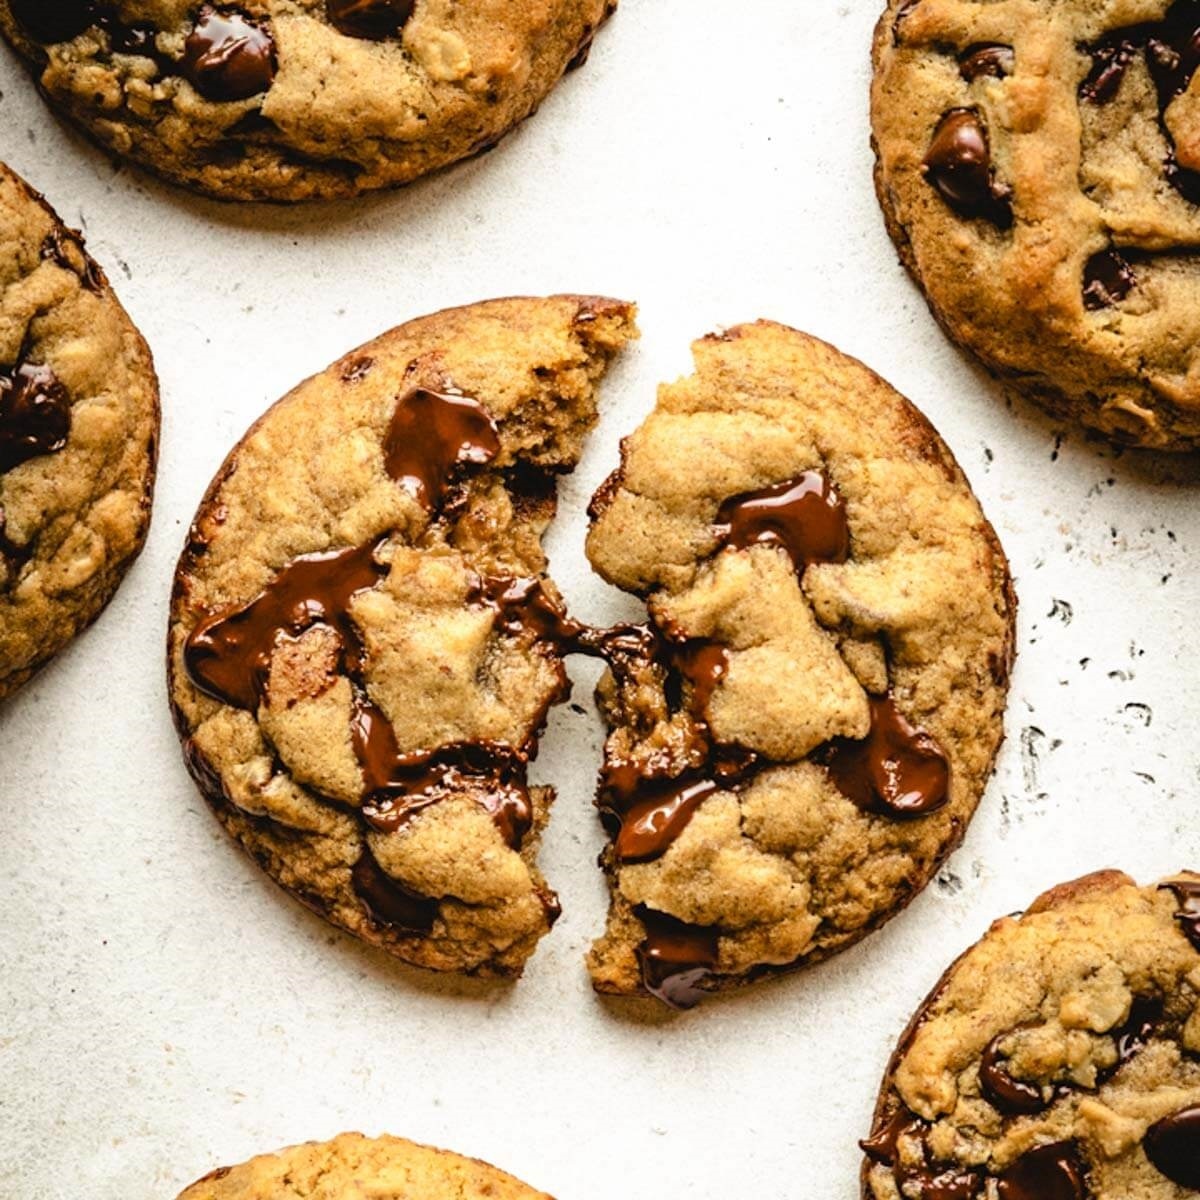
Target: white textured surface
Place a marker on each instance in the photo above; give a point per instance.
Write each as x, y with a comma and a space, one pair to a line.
164, 1009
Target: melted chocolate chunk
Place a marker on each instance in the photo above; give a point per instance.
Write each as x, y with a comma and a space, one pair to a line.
1145, 1016
50, 21
1009, 1095
1053, 1172
986, 58
55, 250
228, 654
1173, 1146
958, 165
804, 516
390, 903
35, 414
524, 607
1187, 892
1107, 280
374, 19
226, 57
431, 437
400, 785
703, 664
676, 958
654, 815
929, 1180
896, 770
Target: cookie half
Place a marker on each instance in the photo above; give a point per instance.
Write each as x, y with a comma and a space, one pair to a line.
298, 99
364, 646
803, 730
1059, 1058
1038, 164
384, 1168
78, 435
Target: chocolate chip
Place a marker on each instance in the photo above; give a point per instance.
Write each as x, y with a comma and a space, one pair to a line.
1172, 52
1009, 1095
804, 516
1107, 280
35, 414
1110, 61
1187, 892
986, 58
655, 815
1053, 1172
226, 57
958, 165
51, 21
676, 958
374, 19
228, 654
1145, 1016
1173, 1146
897, 770
431, 437
389, 902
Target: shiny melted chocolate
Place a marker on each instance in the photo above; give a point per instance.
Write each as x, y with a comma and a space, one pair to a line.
399, 785
958, 165
1009, 1095
432, 437
926, 1178
1187, 892
228, 654
1173, 1146
804, 516
898, 770
227, 57
1053, 1172
35, 414
676, 958
388, 902
372, 19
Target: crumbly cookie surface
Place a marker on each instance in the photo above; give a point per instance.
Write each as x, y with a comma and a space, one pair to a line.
295, 99
1038, 163
363, 644
804, 729
353, 1167
1058, 1058
78, 435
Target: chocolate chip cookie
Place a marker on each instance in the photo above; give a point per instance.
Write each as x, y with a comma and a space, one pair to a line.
364, 645
803, 729
295, 99
351, 1165
1038, 164
1058, 1059
78, 435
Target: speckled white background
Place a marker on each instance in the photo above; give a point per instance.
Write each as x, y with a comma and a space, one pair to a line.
164, 1009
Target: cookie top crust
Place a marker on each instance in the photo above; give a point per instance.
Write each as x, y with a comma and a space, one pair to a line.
1038, 164
1059, 1057
78, 435
295, 99
352, 1166
364, 646
803, 730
